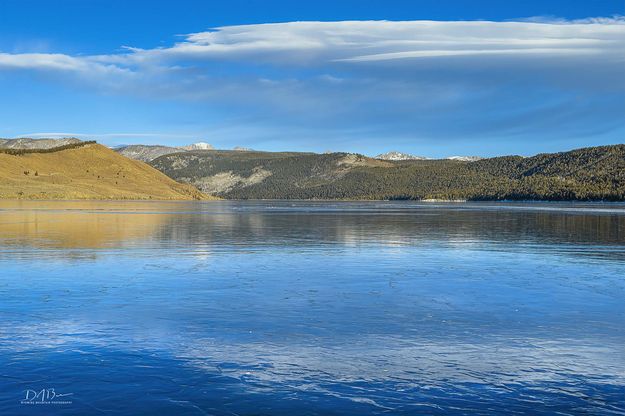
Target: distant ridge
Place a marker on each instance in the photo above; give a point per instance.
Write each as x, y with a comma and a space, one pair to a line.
198, 146
28, 143
18, 151
146, 153
393, 155
465, 158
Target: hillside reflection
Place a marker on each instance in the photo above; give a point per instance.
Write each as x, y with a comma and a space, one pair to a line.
189, 226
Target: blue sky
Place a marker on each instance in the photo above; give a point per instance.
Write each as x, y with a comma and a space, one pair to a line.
485, 78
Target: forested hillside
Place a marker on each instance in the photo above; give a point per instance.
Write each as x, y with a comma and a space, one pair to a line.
596, 173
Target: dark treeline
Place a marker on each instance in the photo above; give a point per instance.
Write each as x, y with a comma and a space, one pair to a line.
19, 152
596, 173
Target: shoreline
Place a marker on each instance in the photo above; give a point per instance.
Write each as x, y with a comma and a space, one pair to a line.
218, 199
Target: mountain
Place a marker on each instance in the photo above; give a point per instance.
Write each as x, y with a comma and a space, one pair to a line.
71, 169
465, 158
27, 143
596, 173
83, 170
145, 153
198, 146
399, 156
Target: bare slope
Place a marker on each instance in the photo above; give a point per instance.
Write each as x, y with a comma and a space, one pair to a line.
88, 172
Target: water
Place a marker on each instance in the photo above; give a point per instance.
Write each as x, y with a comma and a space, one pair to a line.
300, 308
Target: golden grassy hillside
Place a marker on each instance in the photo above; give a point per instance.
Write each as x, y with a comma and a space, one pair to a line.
88, 172
79, 225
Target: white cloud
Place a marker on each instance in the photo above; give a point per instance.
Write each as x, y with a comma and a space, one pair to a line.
315, 43
319, 43
58, 62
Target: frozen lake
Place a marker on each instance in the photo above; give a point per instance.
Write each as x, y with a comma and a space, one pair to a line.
311, 308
